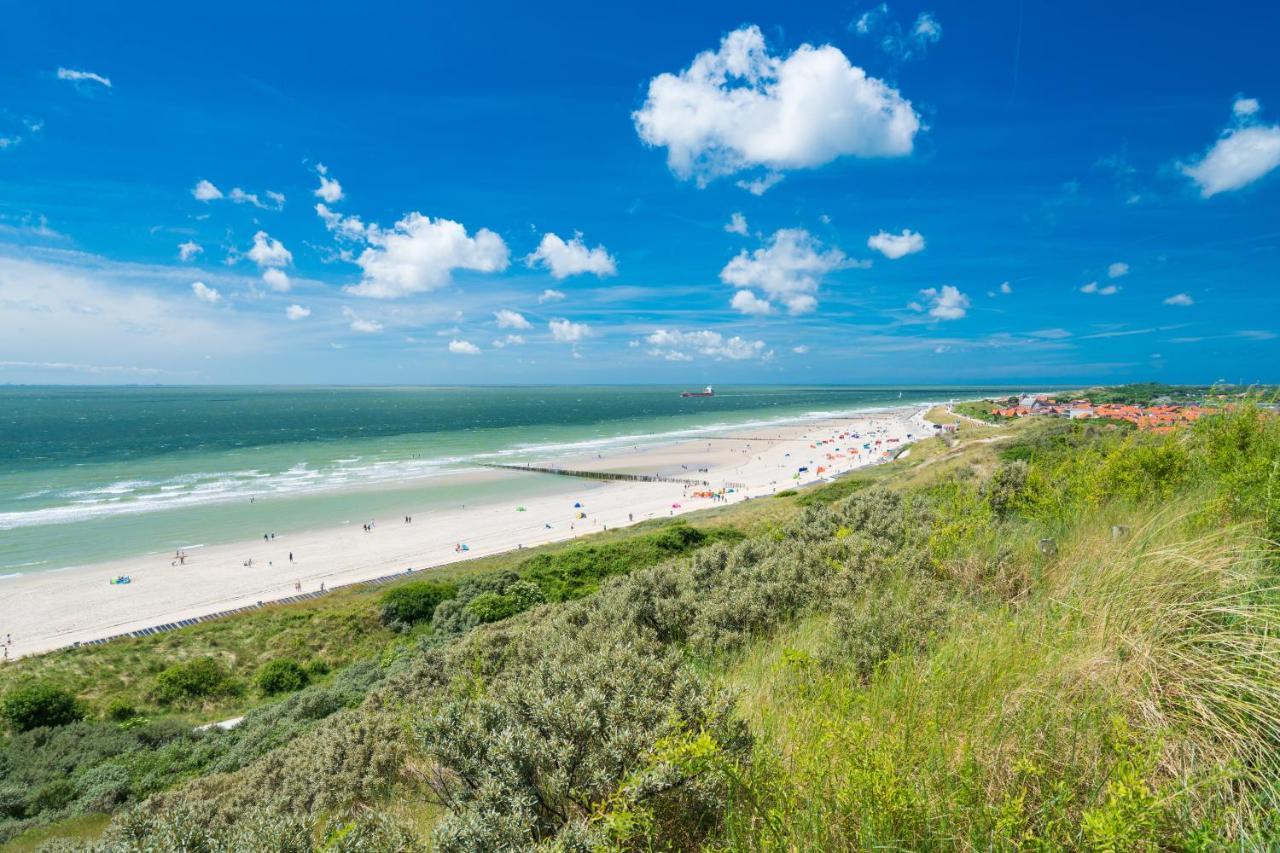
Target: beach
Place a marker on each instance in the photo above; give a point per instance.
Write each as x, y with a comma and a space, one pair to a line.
52, 609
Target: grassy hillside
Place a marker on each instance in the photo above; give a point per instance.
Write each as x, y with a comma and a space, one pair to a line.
1048, 634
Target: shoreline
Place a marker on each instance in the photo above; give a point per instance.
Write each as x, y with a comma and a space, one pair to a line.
54, 609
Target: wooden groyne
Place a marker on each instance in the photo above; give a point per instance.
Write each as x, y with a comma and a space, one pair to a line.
597, 475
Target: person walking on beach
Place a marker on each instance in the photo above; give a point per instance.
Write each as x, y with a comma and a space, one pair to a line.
290, 556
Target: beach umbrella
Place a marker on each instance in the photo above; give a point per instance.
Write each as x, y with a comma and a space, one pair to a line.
675, 506
577, 505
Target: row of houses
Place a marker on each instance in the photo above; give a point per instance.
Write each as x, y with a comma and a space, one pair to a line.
1156, 418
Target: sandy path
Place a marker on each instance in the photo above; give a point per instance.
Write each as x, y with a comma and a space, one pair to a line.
46, 610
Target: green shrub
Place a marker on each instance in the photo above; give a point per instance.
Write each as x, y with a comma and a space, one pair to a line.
281, 676
37, 705
194, 679
490, 607
411, 603
786, 493
52, 796
120, 709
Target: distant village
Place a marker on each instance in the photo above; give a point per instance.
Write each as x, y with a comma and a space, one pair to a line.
1160, 415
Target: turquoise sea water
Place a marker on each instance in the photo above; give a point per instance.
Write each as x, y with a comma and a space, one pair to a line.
90, 474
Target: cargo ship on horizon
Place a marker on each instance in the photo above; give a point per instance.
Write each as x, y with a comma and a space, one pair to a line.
705, 392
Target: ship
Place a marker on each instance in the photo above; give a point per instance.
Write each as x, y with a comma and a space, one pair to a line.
705, 392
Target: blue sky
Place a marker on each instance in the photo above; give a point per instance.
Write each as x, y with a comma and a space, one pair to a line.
802, 192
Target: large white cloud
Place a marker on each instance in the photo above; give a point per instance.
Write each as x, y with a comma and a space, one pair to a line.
737, 224
419, 254
894, 246
1243, 153
508, 319
550, 295
463, 347
572, 258
267, 251
788, 270
741, 107
297, 312
675, 345
189, 249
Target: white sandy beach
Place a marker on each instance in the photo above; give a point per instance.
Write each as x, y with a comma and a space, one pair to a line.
47, 610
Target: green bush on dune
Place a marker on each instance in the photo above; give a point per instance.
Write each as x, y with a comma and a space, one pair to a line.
194, 679
413, 603
281, 676
37, 705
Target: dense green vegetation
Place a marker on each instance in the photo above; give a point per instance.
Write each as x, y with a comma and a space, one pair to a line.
138, 734
1056, 635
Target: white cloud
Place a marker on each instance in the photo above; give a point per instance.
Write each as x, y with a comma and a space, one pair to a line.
894, 246
572, 258
1092, 287
675, 345
1006, 288
509, 340
206, 191
329, 190
269, 252
75, 307
463, 347
568, 333
740, 107
788, 270
737, 224
760, 186
927, 29
748, 303
1118, 269
359, 324
419, 254
188, 250
297, 312
802, 349
550, 295
508, 319
1244, 107
1183, 299
276, 279
205, 293
912, 44
79, 76
239, 196
1243, 153
945, 304
344, 227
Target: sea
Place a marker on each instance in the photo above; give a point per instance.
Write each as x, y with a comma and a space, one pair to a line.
89, 474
